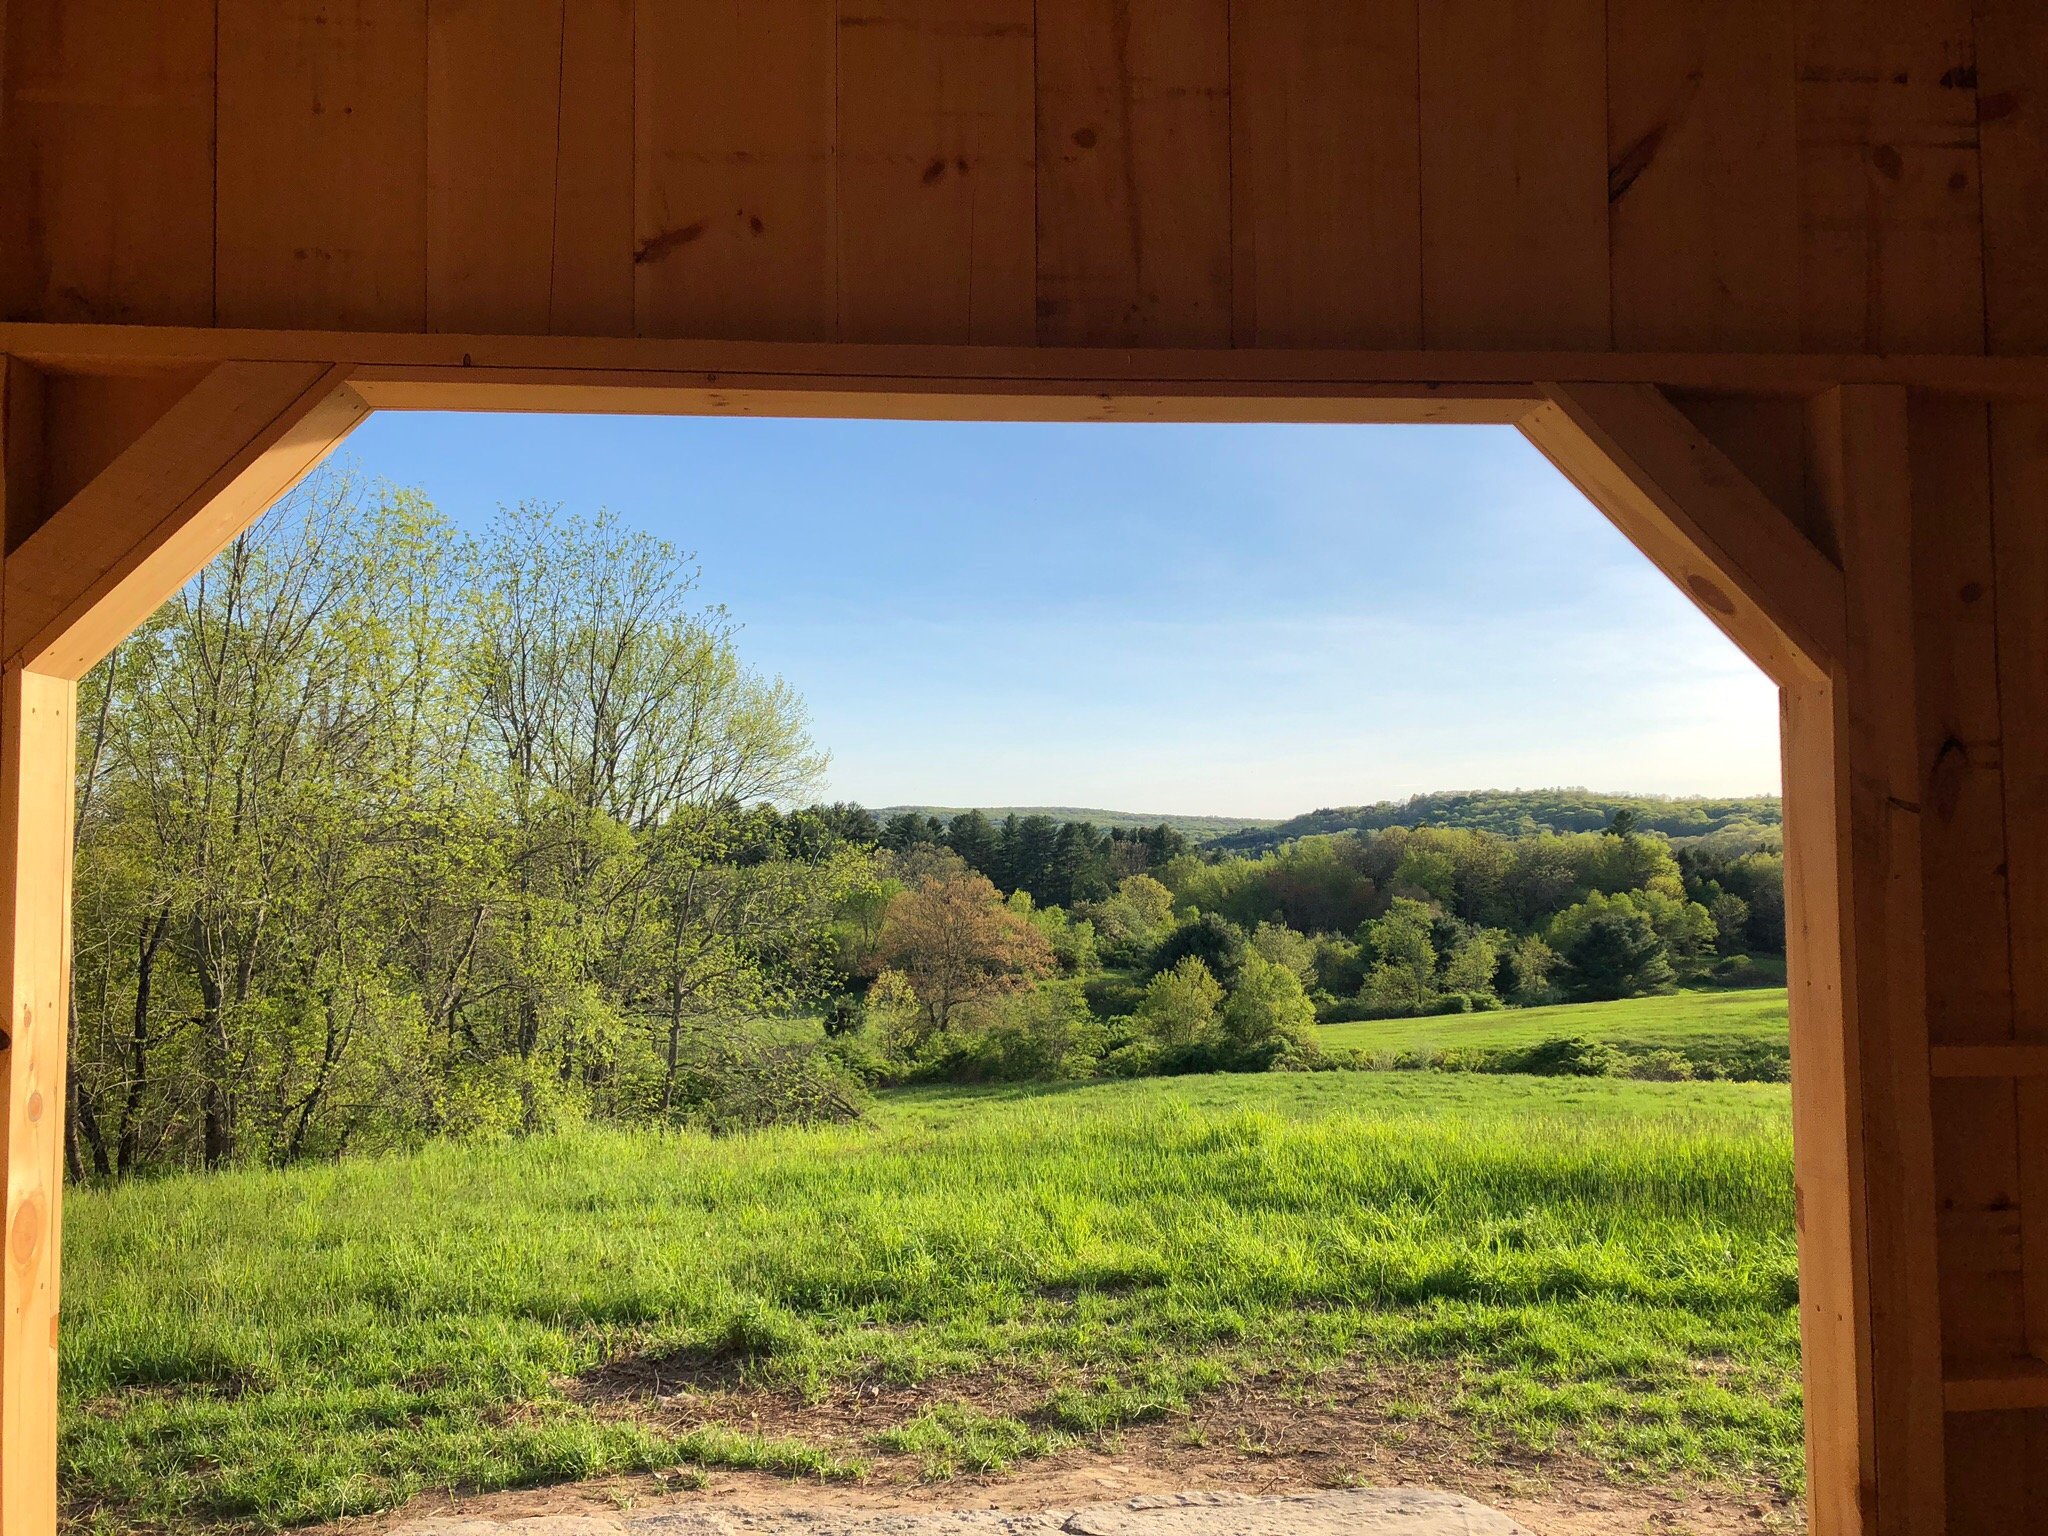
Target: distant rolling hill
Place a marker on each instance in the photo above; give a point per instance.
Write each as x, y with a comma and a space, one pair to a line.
1510, 812
1196, 828
1519, 812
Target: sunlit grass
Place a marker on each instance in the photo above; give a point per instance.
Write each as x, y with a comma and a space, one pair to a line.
1607, 1264
1676, 1021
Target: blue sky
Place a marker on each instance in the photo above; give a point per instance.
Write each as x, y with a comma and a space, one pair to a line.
1246, 620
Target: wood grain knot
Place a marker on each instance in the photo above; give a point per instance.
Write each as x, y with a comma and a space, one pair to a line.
27, 1237
1709, 595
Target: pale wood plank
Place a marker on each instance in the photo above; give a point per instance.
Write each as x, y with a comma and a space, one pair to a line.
590, 290
1976, 1152
106, 161
1702, 178
1827, 1119
1990, 1060
1891, 252
36, 754
727, 393
1417, 374
1326, 196
2019, 468
111, 554
494, 103
734, 217
2012, 111
1514, 173
1765, 437
1862, 477
88, 420
936, 176
1986, 1451
322, 163
1999, 1386
1962, 789
1699, 519
1134, 243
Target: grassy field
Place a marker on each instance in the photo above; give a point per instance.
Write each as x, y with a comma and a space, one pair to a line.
1603, 1265
1680, 1021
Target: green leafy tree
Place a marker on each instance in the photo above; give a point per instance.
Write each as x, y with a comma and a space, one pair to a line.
1268, 1012
1214, 940
1180, 1005
1615, 953
1730, 915
1471, 967
1286, 947
1403, 971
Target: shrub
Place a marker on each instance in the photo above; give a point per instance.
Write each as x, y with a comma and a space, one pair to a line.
510, 1096
743, 1085
1566, 1056
1659, 1066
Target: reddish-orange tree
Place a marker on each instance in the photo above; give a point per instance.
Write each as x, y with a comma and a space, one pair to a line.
957, 942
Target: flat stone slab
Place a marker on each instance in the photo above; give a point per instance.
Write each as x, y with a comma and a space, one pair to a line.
1350, 1512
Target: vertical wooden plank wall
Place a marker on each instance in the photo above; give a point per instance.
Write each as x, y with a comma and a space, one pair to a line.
320, 170
108, 138
937, 188
1134, 238
1844, 176
1840, 175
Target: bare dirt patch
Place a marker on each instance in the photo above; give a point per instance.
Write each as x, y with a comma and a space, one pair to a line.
1262, 1435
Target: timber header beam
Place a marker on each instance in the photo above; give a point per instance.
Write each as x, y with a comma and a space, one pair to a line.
997, 370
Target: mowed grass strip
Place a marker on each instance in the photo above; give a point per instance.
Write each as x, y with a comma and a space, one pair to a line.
1603, 1264
1676, 1021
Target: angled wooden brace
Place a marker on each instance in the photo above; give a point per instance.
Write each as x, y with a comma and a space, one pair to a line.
243, 436
1681, 501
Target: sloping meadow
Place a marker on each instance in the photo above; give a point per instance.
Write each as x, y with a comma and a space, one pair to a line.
1604, 1266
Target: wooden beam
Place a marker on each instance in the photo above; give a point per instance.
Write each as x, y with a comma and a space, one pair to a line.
1862, 479
829, 364
514, 389
1990, 1060
1700, 520
1827, 1120
36, 766
102, 562
2009, 1386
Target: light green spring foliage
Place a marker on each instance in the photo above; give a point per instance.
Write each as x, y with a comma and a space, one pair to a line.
1596, 1264
1268, 1006
388, 831
1180, 1005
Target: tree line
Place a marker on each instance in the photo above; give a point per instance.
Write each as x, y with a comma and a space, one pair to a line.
388, 830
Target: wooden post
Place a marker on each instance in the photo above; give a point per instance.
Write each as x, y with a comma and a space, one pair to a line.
1862, 481
1827, 1134
142, 515
36, 765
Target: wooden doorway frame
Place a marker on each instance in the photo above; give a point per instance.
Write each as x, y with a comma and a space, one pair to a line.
133, 455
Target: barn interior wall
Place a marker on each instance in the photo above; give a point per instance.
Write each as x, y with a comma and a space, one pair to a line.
1669, 176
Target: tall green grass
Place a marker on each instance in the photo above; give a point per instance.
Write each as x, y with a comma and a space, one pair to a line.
1602, 1263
